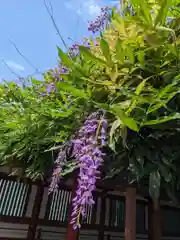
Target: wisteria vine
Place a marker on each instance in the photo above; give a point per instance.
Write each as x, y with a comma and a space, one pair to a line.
87, 150
87, 146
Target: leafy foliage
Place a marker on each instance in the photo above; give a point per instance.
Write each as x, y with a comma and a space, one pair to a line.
33, 122
131, 71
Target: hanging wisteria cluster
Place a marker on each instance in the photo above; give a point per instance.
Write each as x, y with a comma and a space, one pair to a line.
100, 23
87, 150
57, 170
90, 158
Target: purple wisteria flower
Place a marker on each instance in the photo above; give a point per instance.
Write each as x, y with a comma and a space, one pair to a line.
100, 22
57, 75
56, 175
74, 49
58, 71
87, 150
50, 88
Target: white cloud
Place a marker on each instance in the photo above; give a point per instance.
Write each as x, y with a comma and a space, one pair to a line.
15, 66
87, 9
92, 7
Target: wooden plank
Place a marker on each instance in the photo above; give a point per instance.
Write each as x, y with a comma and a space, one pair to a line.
13, 219
71, 233
154, 221
102, 216
130, 214
35, 213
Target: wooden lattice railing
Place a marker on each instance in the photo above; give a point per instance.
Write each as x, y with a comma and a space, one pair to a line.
15, 197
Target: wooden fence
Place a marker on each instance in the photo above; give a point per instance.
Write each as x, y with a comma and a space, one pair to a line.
20, 214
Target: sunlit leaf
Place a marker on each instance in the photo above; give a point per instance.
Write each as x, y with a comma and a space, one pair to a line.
105, 49
64, 58
115, 125
162, 13
130, 54
87, 53
69, 88
36, 82
140, 87
127, 121
119, 51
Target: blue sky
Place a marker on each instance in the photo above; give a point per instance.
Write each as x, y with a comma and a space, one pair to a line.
27, 24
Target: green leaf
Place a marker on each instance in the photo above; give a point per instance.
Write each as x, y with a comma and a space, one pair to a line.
87, 53
140, 87
165, 173
69, 168
119, 51
60, 114
144, 10
165, 29
116, 124
105, 49
162, 13
154, 184
53, 149
162, 120
140, 56
130, 54
69, 88
64, 58
36, 82
127, 121
113, 172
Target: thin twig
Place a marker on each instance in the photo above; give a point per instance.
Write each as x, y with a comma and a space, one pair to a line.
17, 75
10, 69
24, 57
50, 12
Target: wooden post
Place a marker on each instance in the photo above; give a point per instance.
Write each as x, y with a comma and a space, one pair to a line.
35, 213
102, 216
130, 214
71, 233
154, 221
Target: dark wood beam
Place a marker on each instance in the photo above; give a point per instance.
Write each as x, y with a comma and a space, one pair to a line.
35, 212
154, 220
130, 214
102, 216
71, 233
